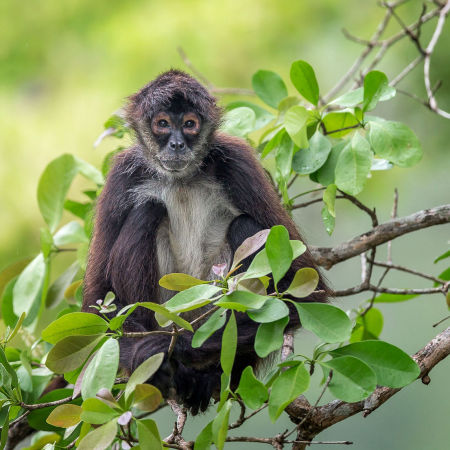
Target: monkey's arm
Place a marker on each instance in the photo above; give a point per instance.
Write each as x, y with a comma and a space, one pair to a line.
251, 191
111, 212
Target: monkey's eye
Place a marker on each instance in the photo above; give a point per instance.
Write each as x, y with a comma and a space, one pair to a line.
189, 124
163, 123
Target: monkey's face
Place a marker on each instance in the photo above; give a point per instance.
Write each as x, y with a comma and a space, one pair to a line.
176, 134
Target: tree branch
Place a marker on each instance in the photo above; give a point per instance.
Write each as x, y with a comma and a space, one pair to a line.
327, 415
328, 257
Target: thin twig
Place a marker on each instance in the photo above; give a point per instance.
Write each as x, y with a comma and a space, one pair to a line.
141, 334
413, 64
408, 270
370, 212
360, 60
426, 65
441, 321
385, 290
311, 202
173, 341
46, 404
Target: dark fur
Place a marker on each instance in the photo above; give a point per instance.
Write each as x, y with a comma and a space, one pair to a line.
123, 250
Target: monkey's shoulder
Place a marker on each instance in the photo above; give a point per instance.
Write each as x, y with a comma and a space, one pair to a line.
225, 146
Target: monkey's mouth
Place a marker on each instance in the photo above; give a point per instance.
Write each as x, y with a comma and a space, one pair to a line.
174, 165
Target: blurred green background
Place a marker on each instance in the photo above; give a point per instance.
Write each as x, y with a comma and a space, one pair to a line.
65, 66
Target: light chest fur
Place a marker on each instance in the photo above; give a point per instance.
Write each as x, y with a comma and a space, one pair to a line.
192, 238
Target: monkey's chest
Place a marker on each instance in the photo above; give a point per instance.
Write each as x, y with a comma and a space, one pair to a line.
192, 238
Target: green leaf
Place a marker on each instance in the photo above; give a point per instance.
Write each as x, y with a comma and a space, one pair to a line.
273, 309
242, 301
326, 174
304, 80
352, 380
279, 252
89, 171
162, 311
310, 159
109, 298
328, 322
250, 246
37, 418
339, 124
395, 142
287, 387
143, 373
392, 366
192, 298
71, 291
149, 438
350, 99
7, 367
5, 429
280, 138
295, 122
27, 289
101, 438
260, 264
356, 97
220, 425
445, 275
56, 290
375, 83
353, 165
263, 117
439, 258
147, 397
304, 282
73, 324
252, 391
285, 104
78, 209
258, 267
11, 271
269, 337
204, 439
214, 323
394, 298
254, 285
71, 352
46, 441
46, 242
71, 233
239, 121
53, 186
284, 154
16, 328
368, 326
269, 87
329, 198
179, 281
97, 412
229, 344
101, 371
328, 210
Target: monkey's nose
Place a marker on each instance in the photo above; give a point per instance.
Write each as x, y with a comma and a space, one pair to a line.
177, 145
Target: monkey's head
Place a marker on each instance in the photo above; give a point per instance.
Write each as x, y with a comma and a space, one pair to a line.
174, 117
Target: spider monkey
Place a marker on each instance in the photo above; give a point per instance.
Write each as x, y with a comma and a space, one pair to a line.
182, 199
